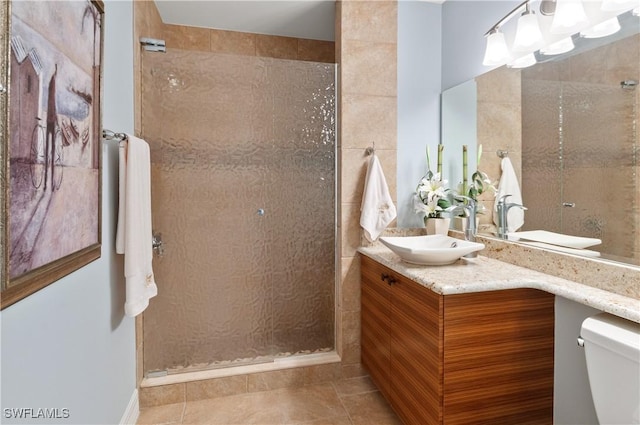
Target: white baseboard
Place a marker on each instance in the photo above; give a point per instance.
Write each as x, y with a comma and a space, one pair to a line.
130, 415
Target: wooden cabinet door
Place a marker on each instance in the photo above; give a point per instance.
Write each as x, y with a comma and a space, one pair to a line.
416, 353
477, 358
375, 325
498, 358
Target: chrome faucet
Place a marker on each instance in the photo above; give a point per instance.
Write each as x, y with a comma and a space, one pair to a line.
503, 211
469, 209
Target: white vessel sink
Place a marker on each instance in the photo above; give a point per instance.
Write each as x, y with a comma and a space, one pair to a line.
432, 250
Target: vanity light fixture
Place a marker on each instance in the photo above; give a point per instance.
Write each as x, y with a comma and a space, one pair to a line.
603, 29
528, 35
559, 21
563, 46
569, 17
497, 52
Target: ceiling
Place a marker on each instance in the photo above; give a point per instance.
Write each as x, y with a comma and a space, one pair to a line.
312, 19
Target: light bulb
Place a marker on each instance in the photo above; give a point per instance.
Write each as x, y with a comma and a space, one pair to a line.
528, 35
497, 52
569, 18
563, 46
603, 29
523, 62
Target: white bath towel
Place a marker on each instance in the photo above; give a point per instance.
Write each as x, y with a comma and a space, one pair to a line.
134, 235
509, 186
377, 209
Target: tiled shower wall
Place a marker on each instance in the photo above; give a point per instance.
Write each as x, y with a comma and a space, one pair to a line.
366, 51
365, 48
498, 128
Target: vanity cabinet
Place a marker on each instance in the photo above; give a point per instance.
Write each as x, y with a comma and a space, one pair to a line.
472, 358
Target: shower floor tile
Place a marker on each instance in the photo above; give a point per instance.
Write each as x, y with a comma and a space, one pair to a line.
352, 401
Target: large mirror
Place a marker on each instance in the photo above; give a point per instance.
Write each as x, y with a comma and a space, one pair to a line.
570, 127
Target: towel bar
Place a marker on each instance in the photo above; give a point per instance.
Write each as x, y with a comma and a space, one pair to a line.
110, 135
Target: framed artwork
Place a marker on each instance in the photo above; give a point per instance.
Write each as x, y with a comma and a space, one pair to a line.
50, 162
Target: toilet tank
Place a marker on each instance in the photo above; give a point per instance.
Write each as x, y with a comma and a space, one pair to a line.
612, 351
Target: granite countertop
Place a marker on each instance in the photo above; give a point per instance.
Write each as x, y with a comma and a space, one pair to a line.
486, 274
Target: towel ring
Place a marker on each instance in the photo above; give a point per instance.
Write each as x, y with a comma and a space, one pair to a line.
502, 153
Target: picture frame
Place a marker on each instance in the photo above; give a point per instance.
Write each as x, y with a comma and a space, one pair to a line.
50, 156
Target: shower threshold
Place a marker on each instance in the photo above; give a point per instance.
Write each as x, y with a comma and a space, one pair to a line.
189, 374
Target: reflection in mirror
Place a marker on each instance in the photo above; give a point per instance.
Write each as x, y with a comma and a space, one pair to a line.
571, 129
458, 106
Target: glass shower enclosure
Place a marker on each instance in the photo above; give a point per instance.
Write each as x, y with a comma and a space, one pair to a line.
579, 160
243, 153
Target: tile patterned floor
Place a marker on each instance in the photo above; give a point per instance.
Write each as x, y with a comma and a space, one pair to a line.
353, 401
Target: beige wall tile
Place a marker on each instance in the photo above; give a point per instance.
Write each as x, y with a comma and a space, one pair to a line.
369, 68
370, 21
367, 119
165, 394
499, 127
354, 170
220, 387
350, 229
338, 31
365, 41
146, 23
502, 85
239, 43
351, 283
623, 62
316, 50
389, 160
339, 336
286, 378
187, 38
276, 47
351, 329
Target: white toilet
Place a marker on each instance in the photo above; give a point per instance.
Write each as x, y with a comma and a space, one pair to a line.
612, 351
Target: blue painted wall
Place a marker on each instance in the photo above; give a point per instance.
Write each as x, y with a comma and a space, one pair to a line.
69, 345
419, 75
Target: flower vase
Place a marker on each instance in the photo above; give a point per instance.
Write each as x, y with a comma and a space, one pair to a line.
437, 226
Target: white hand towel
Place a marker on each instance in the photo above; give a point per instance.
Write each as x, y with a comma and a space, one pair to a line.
134, 235
509, 186
377, 209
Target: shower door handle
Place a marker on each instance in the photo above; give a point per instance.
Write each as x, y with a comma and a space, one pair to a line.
157, 244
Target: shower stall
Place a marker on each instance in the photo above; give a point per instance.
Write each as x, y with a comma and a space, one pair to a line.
243, 153
580, 147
